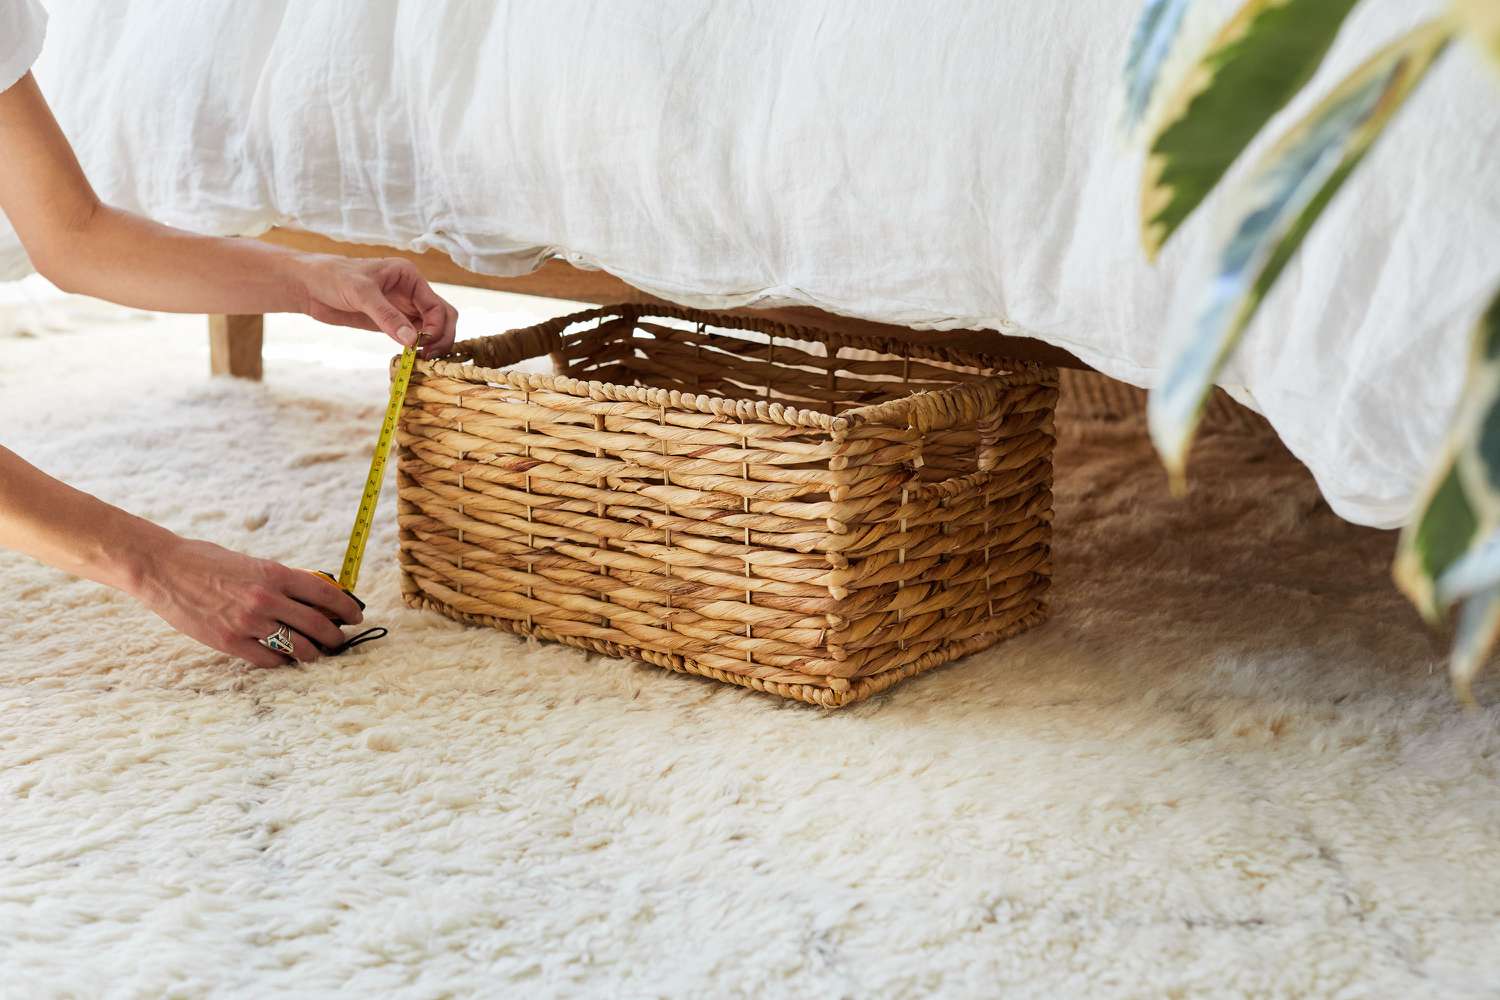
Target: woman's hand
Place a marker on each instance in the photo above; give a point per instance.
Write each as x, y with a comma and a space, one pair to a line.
385, 294
231, 601
86, 246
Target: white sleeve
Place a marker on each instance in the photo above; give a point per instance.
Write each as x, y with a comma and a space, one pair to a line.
22, 25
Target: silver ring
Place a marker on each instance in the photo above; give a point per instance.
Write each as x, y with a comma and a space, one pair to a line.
279, 641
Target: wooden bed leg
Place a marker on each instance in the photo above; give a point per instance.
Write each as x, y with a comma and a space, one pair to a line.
234, 345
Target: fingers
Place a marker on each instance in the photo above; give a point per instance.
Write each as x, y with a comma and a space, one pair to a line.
313, 624
303, 650
371, 300
391, 296
309, 603
319, 593
340, 317
269, 605
439, 320
253, 652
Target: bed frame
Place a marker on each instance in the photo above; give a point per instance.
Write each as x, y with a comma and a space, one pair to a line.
235, 341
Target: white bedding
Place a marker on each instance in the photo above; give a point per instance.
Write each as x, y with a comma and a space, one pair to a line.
939, 165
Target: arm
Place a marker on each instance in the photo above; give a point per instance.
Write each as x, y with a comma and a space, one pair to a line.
85, 246
221, 598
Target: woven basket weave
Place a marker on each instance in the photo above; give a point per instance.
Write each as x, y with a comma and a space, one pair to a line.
801, 513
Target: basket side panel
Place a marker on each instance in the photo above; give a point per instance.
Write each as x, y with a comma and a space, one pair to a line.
620, 522
951, 562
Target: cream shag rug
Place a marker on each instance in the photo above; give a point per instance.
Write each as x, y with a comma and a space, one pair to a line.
1230, 765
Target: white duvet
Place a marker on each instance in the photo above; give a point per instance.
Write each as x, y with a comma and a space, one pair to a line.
940, 165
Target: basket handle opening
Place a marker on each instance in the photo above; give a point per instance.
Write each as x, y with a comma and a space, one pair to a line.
993, 413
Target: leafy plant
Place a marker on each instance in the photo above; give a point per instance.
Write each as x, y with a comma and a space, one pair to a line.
1266, 54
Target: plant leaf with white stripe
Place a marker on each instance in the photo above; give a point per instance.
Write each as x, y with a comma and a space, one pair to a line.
1276, 207
1478, 626
1258, 62
1481, 20
1157, 34
1451, 550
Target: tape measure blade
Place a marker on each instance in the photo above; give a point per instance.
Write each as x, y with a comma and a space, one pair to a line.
364, 516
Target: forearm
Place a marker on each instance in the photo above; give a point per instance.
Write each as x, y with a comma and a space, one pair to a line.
221, 598
70, 530
124, 258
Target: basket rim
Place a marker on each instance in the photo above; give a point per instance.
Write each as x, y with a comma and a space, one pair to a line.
932, 409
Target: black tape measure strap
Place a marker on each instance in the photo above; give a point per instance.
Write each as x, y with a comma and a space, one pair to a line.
368, 635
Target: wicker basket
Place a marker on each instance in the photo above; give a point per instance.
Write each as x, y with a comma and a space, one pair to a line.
807, 514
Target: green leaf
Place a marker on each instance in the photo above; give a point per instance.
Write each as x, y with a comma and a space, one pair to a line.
1260, 60
1451, 550
1152, 44
1276, 207
1447, 528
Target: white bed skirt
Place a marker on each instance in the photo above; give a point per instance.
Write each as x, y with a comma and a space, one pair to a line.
935, 165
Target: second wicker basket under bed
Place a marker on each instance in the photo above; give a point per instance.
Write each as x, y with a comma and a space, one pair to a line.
800, 513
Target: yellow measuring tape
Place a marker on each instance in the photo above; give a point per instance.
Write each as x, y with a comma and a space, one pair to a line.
359, 535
